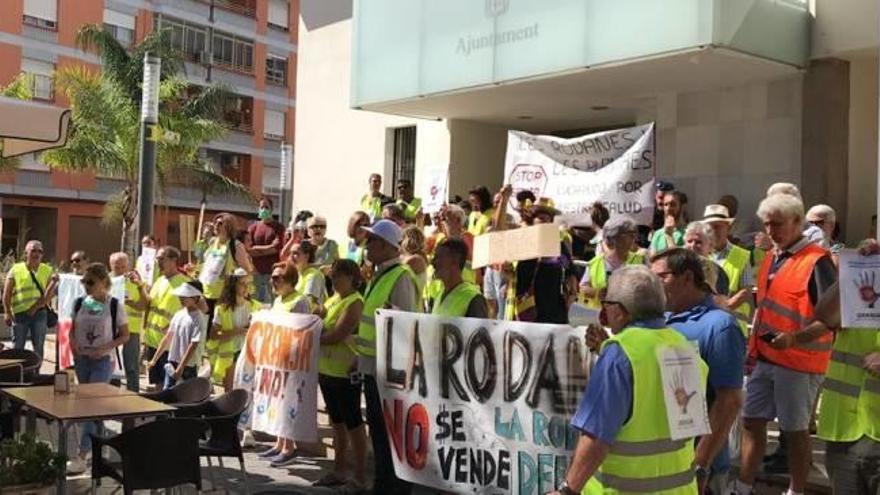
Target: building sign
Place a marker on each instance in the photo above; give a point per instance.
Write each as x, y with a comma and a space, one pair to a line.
614, 167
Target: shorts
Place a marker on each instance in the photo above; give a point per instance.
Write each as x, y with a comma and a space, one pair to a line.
775, 392
343, 400
156, 374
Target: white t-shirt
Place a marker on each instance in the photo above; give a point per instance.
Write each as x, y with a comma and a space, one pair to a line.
186, 327
93, 327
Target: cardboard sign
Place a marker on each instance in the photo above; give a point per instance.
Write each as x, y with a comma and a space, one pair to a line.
479, 406
187, 232
538, 241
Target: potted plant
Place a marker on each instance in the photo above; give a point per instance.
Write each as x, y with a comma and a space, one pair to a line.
29, 467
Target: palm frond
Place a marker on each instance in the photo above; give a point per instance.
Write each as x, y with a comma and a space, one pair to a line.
19, 88
212, 183
211, 102
114, 57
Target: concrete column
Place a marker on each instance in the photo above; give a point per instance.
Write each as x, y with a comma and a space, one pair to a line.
825, 135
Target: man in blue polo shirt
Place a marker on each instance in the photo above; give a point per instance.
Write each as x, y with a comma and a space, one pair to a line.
693, 312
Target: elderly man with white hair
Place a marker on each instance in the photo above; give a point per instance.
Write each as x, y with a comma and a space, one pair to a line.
825, 218
625, 443
619, 238
700, 238
29, 287
811, 232
790, 364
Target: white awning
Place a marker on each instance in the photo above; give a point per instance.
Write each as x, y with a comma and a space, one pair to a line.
26, 127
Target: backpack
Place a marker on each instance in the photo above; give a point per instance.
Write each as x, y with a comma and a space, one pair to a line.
114, 309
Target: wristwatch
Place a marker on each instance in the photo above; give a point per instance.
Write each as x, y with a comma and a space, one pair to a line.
564, 489
701, 472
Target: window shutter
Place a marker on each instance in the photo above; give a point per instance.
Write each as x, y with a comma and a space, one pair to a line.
42, 9
274, 124
119, 19
37, 67
278, 12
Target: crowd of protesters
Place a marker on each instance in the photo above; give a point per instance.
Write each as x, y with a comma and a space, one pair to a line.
762, 309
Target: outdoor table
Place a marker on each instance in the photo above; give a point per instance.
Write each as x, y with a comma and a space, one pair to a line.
87, 402
9, 363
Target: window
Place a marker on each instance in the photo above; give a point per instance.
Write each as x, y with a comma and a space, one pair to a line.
278, 14
405, 154
236, 167
41, 13
234, 52
42, 86
120, 25
276, 70
273, 127
240, 113
244, 7
189, 39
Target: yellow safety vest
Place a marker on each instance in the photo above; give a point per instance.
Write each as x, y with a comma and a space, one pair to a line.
376, 296
163, 305
214, 289
410, 209
288, 302
25, 293
372, 206
135, 317
850, 405
479, 222
434, 289
599, 278
456, 301
337, 359
734, 264
643, 457
305, 278
222, 354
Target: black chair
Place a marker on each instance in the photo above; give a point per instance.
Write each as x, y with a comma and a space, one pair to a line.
159, 454
222, 415
186, 392
30, 366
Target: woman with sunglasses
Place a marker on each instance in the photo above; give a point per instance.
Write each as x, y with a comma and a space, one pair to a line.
223, 255
232, 317
288, 300
78, 262
326, 250
342, 314
94, 335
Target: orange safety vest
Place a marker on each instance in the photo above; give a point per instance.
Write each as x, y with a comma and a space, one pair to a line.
784, 306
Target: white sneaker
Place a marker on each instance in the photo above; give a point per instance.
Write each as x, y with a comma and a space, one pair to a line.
77, 465
247, 440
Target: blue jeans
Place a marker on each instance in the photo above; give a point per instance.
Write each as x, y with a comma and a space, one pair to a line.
24, 325
188, 373
90, 370
131, 361
262, 281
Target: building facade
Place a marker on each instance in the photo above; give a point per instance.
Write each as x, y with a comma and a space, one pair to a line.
743, 93
248, 45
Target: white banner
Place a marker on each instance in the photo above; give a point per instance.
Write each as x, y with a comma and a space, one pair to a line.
859, 290
614, 167
279, 367
479, 406
434, 193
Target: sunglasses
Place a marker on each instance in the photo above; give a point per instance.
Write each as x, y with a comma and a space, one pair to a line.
322, 227
277, 278
76, 260
88, 282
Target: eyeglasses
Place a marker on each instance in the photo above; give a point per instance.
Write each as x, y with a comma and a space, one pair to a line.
37, 250
606, 302
277, 278
817, 223
88, 282
664, 275
75, 260
316, 227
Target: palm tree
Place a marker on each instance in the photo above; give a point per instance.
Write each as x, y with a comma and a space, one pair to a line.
105, 125
19, 88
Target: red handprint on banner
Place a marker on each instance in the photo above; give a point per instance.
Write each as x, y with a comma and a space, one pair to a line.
865, 283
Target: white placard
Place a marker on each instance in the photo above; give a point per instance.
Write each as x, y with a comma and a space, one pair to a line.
279, 367
614, 167
434, 193
859, 289
479, 406
146, 265
117, 288
683, 391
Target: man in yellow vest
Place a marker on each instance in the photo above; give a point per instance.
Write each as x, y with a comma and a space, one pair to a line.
734, 260
411, 205
391, 286
849, 411
29, 287
373, 201
619, 238
135, 293
161, 305
626, 444
459, 298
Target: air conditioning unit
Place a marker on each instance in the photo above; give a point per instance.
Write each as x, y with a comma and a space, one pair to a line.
205, 58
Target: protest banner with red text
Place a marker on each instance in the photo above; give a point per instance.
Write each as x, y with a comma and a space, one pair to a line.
479, 406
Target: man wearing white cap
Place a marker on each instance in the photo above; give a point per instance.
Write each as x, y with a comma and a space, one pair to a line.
185, 337
736, 264
392, 286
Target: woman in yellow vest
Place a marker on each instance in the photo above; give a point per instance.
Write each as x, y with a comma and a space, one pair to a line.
341, 315
222, 256
619, 237
232, 317
412, 254
288, 300
483, 213
311, 281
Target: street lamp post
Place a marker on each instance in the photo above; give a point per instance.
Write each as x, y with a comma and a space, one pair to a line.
285, 185
149, 136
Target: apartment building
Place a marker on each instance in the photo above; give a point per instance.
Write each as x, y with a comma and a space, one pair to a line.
248, 45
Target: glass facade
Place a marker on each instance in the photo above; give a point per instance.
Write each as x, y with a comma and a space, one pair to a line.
435, 47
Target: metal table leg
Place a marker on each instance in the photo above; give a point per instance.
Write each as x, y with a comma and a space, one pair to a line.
62, 449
